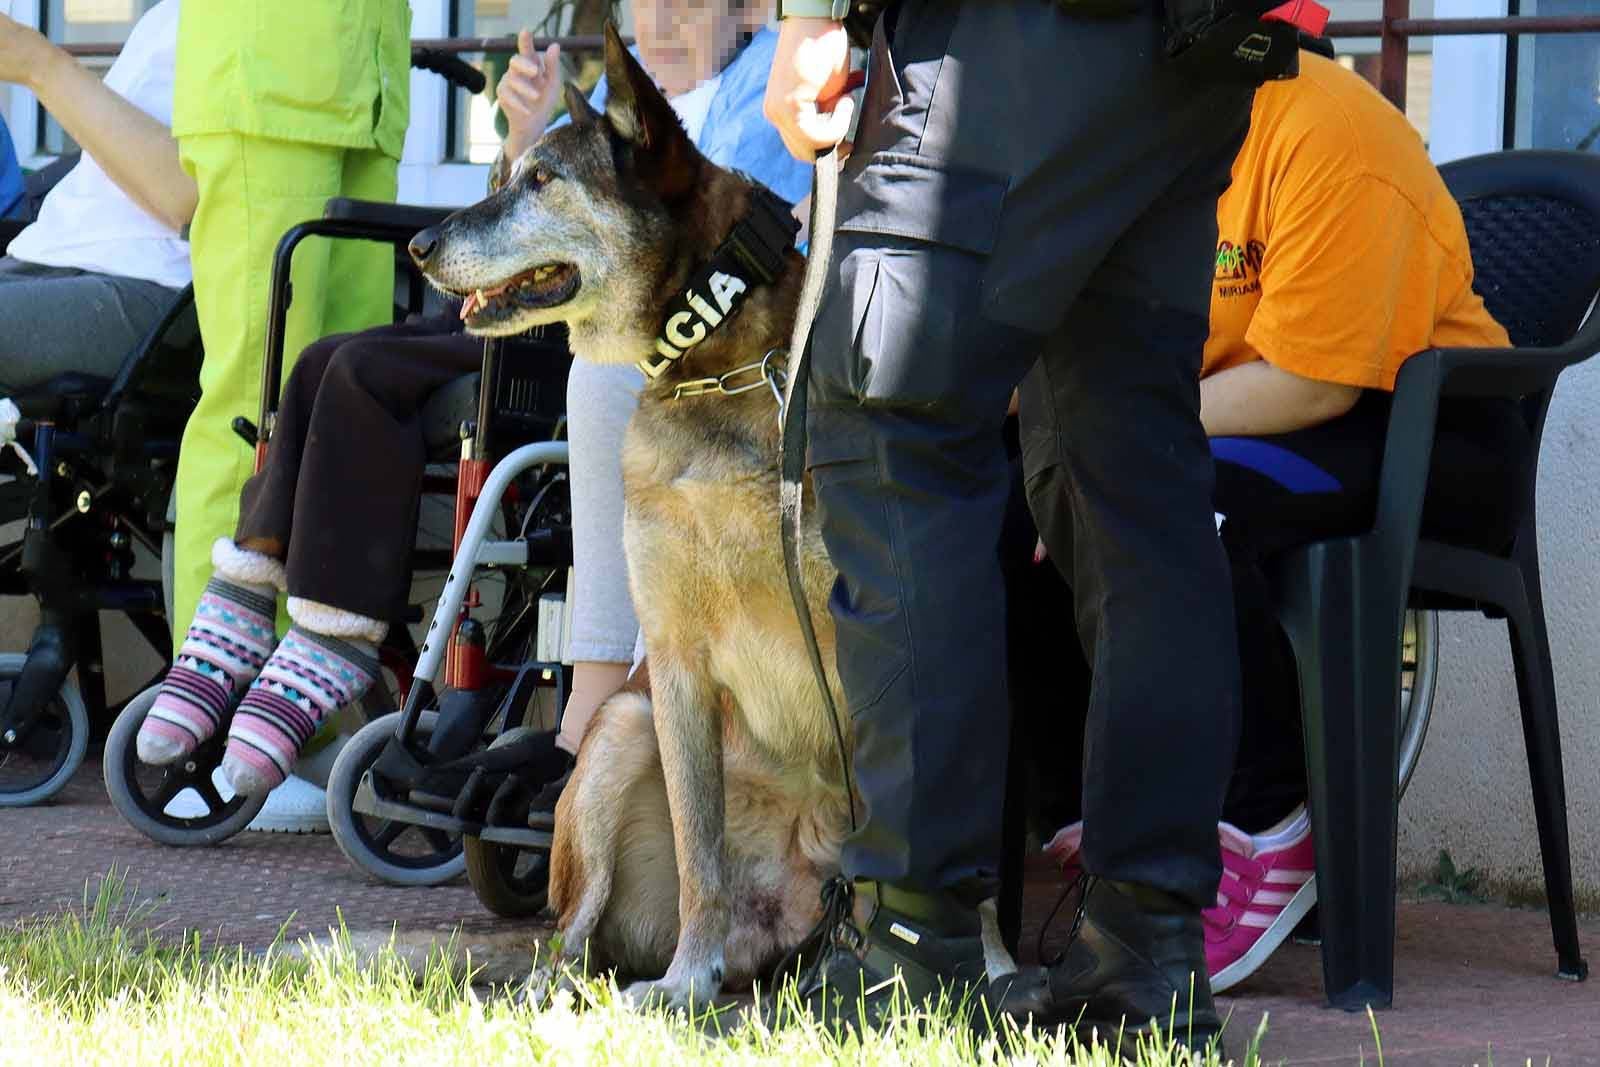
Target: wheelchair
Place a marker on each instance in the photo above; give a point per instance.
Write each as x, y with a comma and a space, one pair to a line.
104, 453
96, 488
492, 675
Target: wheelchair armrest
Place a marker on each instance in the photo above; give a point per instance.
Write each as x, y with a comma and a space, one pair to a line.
9, 228
379, 213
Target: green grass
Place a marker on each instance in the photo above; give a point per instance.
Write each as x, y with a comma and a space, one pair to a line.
91, 987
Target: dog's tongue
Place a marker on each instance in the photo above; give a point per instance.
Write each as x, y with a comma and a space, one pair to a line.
479, 298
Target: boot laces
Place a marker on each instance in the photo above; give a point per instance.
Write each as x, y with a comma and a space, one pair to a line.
836, 929
1083, 881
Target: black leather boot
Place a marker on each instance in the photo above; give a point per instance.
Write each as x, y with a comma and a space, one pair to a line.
915, 950
1136, 962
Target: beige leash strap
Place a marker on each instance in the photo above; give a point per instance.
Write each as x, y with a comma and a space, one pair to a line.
824, 207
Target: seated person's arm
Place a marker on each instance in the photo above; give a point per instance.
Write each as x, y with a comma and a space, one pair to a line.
136, 151
1338, 278
1257, 399
527, 94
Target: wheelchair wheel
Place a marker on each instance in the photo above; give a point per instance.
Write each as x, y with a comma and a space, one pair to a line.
42, 763
186, 804
512, 882
395, 852
1419, 674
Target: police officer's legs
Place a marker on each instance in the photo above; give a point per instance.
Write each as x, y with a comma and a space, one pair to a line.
912, 366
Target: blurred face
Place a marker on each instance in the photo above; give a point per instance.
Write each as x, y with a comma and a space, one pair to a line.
685, 42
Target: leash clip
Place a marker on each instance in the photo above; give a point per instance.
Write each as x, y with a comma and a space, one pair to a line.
777, 378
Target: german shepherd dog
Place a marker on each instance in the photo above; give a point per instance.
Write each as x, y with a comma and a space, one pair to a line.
702, 818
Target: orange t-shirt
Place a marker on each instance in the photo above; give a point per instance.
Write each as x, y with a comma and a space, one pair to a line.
1340, 252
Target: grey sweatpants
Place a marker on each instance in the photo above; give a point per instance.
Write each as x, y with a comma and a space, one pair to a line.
57, 319
600, 401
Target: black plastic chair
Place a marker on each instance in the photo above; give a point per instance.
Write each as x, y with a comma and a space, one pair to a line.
1533, 219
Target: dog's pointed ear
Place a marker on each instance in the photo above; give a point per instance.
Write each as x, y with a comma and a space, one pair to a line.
578, 106
641, 115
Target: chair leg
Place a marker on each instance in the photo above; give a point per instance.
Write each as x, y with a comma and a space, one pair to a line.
1541, 731
1347, 647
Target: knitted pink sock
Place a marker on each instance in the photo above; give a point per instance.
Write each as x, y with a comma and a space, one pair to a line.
231, 637
309, 677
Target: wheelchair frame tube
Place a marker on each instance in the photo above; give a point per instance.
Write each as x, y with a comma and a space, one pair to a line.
448, 610
281, 295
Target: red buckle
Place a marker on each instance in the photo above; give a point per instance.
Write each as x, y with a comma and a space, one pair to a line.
1307, 16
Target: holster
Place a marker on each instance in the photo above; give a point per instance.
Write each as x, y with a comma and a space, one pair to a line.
1228, 41
1209, 40
1213, 40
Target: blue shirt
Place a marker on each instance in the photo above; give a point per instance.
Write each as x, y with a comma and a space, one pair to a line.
736, 135
10, 172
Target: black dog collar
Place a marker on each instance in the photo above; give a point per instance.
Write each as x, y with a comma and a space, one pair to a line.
752, 255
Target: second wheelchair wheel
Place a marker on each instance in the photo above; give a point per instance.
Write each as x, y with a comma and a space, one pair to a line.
36, 767
1419, 673
511, 881
185, 804
396, 852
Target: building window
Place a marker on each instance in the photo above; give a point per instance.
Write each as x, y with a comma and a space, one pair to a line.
475, 126
84, 22
1557, 84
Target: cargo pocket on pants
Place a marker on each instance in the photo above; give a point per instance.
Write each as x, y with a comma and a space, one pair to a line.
914, 237
873, 642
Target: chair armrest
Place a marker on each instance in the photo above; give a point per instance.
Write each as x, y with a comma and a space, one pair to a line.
1413, 418
1501, 372
377, 213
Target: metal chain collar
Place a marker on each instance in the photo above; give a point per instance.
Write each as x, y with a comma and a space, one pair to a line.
768, 371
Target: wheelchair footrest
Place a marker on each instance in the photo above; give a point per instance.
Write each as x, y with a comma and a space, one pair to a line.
533, 840
368, 802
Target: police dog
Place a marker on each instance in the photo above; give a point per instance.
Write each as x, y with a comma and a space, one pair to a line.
702, 818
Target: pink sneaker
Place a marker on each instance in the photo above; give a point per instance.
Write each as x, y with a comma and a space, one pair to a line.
1063, 848
1268, 884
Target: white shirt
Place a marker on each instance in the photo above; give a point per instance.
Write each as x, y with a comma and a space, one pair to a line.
86, 221
693, 106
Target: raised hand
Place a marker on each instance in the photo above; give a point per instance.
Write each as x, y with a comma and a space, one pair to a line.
528, 93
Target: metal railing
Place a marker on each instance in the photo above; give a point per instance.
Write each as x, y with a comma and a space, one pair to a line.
1396, 28
1394, 32
450, 45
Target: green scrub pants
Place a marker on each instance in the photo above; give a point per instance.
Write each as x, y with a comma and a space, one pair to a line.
252, 189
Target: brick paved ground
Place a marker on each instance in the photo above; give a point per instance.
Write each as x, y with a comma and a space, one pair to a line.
1473, 981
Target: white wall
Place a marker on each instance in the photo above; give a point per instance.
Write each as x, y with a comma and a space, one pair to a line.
1471, 793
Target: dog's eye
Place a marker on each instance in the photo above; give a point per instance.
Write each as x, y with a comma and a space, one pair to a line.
539, 176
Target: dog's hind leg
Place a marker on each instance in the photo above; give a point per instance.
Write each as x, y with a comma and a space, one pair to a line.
689, 735
618, 751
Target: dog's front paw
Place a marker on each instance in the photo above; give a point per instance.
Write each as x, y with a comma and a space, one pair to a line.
550, 977
668, 994
542, 983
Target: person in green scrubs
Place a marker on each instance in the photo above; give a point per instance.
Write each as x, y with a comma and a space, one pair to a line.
279, 105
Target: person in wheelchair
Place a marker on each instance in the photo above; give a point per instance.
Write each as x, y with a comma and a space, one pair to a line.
10, 175
86, 281
329, 520
1340, 254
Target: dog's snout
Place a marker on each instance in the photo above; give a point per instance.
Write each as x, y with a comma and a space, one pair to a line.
423, 244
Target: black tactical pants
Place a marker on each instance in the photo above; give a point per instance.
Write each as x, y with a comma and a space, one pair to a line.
1024, 183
